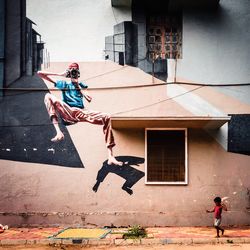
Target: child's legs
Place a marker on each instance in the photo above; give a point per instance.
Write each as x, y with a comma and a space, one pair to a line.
217, 223
217, 231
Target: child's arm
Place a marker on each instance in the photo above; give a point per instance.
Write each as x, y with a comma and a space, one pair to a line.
224, 207
210, 211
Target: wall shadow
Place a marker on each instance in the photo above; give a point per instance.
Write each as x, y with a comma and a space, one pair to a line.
126, 171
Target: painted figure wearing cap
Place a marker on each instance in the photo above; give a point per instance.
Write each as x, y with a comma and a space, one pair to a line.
71, 108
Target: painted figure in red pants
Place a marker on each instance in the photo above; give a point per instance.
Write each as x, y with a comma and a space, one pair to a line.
71, 108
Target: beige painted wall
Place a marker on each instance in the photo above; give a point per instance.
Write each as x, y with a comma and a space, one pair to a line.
47, 194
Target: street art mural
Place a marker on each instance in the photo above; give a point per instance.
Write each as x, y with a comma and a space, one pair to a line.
126, 171
71, 108
26, 129
36, 116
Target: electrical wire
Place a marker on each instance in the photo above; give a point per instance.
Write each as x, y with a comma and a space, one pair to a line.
121, 112
155, 103
134, 86
55, 89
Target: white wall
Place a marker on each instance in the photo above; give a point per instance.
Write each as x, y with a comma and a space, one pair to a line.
74, 30
216, 44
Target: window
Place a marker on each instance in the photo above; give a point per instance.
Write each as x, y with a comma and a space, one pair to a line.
166, 156
164, 36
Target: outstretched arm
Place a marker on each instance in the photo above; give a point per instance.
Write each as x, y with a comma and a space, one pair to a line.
224, 207
45, 75
210, 211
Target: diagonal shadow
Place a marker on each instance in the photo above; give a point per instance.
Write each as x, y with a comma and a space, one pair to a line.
26, 130
130, 174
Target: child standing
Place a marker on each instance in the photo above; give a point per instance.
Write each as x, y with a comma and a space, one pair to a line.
217, 214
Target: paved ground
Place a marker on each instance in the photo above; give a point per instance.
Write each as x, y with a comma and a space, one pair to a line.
168, 247
154, 232
155, 236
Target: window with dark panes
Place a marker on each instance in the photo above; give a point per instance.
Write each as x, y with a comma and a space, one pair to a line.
166, 156
164, 36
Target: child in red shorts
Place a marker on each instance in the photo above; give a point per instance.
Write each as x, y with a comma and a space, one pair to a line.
217, 210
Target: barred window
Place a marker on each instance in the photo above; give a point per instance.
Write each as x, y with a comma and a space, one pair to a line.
166, 153
164, 36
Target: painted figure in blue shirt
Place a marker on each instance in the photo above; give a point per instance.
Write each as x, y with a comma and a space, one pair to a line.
71, 108
70, 94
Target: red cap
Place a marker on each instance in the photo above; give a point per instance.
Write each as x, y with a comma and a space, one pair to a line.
74, 65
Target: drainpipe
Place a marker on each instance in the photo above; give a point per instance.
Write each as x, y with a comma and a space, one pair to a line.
2, 44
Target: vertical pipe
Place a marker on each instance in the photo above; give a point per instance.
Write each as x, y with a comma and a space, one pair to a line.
49, 59
46, 57
2, 44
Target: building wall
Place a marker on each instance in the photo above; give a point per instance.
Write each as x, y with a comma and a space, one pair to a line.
216, 44
56, 195
2, 45
13, 42
93, 20
215, 51
36, 192
44, 183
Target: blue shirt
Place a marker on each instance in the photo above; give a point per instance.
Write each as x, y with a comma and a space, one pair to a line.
70, 94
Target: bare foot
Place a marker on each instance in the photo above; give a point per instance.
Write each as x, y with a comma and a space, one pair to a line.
112, 160
58, 137
222, 232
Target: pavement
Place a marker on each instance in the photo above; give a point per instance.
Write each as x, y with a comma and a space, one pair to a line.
155, 235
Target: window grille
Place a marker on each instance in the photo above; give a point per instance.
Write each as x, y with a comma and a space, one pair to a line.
164, 37
166, 156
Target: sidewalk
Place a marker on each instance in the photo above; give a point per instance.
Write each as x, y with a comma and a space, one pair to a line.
155, 235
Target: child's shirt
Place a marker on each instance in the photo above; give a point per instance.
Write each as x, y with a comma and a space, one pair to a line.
217, 212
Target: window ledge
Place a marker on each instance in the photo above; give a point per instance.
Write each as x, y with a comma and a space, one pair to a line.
207, 122
177, 183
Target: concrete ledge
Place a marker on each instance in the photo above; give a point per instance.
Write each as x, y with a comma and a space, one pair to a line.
176, 241
120, 242
68, 242
13, 242
154, 241
247, 240
31, 242
43, 241
232, 240
205, 240
126, 242
53, 241
133, 241
96, 242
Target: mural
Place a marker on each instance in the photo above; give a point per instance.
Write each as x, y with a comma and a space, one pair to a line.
71, 108
126, 171
26, 129
25, 126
